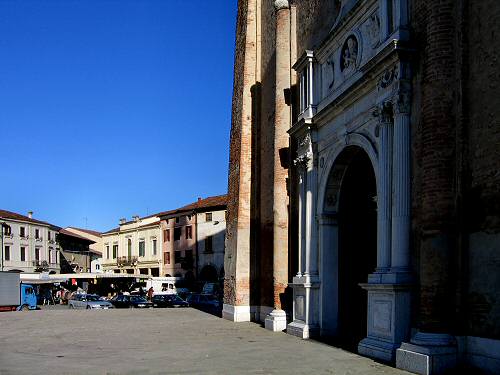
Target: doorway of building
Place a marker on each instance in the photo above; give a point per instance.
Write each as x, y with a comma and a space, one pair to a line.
357, 246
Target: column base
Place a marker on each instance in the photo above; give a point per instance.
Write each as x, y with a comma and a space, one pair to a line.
388, 320
301, 329
276, 321
236, 313
428, 354
376, 348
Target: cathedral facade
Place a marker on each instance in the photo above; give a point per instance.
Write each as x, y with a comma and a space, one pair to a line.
364, 199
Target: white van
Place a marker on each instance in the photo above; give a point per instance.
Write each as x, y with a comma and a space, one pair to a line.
162, 285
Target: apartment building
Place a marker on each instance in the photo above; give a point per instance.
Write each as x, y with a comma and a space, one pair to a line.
193, 239
76, 254
134, 247
96, 247
28, 245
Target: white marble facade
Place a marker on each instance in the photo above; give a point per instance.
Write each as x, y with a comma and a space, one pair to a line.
355, 92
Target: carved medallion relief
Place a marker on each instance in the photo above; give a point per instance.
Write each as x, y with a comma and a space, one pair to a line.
349, 55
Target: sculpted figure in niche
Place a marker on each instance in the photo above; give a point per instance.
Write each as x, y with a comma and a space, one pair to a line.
328, 76
349, 54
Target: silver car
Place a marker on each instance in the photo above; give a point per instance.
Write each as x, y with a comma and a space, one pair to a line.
88, 301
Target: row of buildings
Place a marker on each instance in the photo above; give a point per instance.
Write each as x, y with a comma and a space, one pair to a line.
363, 197
186, 242
31, 245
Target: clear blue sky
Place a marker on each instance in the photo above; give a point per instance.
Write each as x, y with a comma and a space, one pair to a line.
110, 108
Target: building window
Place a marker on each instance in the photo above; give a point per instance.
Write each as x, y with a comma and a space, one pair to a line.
177, 219
166, 258
142, 248
37, 233
7, 252
189, 232
23, 254
52, 259
208, 216
177, 257
189, 254
37, 254
154, 247
97, 267
166, 235
22, 232
107, 252
115, 251
177, 233
129, 247
49, 235
208, 245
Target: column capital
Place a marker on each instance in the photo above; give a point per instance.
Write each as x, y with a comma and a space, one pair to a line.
401, 102
281, 4
384, 112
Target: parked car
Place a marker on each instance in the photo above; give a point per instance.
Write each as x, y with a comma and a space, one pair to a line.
88, 301
125, 301
205, 302
169, 300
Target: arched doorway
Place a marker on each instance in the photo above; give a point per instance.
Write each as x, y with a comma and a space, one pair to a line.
349, 246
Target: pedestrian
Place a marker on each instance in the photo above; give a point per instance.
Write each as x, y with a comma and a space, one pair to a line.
150, 293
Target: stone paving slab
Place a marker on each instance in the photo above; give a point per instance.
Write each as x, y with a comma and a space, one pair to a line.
154, 341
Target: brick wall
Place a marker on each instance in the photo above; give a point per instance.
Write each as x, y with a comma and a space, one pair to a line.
234, 154
483, 183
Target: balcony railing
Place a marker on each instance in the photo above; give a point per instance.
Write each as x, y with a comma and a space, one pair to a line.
41, 264
126, 261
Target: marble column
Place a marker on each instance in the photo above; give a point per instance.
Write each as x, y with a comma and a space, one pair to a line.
276, 320
384, 197
401, 221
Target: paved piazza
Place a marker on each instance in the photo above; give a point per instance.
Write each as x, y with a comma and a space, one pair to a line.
178, 341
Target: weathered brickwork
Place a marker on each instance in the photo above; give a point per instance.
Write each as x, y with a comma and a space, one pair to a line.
456, 145
483, 190
235, 153
434, 213
315, 19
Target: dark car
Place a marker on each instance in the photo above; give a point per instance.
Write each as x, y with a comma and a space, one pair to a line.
205, 302
125, 301
169, 300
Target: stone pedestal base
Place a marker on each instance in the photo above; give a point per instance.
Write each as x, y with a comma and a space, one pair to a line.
302, 330
377, 348
388, 320
428, 354
236, 313
276, 321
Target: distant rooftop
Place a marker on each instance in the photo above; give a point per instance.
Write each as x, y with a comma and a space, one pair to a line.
4, 214
92, 232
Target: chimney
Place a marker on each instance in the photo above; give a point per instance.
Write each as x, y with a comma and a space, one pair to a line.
30, 214
136, 218
123, 221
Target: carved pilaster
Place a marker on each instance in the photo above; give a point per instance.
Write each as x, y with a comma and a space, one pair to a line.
400, 258
384, 115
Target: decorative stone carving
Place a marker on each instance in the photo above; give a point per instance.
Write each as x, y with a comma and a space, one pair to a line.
384, 112
388, 77
402, 102
281, 4
331, 70
372, 29
349, 57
